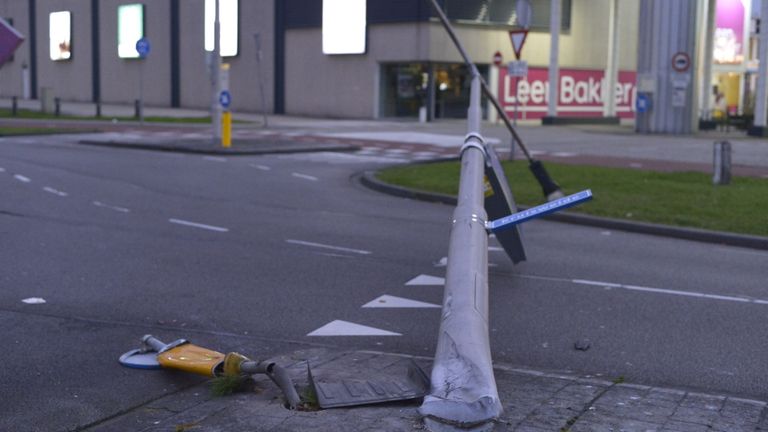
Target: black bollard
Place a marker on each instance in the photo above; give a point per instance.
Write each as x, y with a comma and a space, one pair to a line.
57, 107
14, 106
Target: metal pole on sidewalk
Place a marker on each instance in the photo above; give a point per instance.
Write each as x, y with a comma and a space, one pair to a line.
463, 389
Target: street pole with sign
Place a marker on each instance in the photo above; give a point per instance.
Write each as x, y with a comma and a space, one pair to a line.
142, 47
257, 39
216, 109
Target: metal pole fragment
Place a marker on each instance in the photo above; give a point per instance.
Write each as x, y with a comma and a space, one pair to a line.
463, 389
216, 109
549, 187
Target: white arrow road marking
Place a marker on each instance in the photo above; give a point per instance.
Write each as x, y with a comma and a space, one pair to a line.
388, 301
324, 246
346, 328
304, 176
198, 225
34, 300
21, 178
261, 167
426, 280
55, 192
111, 207
442, 262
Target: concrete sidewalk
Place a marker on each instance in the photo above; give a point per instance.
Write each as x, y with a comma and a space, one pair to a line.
533, 401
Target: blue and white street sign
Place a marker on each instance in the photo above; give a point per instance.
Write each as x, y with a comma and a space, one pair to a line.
143, 47
538, 211
225, 98
643, 103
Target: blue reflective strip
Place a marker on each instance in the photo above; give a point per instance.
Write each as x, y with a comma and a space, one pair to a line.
534, 212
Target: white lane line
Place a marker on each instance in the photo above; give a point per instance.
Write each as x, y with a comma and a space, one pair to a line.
21, 178
564, 154
198, 225
55, 192
261, 167
388, 301
612, 285
346, 328
304, 176
215, 158
664, 291
426, 280
324, 246
111, 207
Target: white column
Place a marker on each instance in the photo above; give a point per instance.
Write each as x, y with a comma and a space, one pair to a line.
554, 51
612, 62
216, 109
707, 60
762, 74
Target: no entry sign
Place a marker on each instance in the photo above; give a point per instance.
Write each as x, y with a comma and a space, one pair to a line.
681, 62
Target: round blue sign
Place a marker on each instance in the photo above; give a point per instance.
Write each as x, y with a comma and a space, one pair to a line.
643, 103
143, 47
225, 98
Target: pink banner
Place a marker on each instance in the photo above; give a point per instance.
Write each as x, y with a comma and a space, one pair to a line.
581, 93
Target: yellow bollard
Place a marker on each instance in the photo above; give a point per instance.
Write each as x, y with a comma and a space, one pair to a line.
226, 129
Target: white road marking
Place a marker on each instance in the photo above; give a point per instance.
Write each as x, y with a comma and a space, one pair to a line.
2, 169
564, 154
304, 176
34, 300
198, 225
442, 262
21, 178
613, 285
324, 246
346, 328
495, 249
426, 280
111, 207
215, 158
261, 167
388, 301
668, 291
55, 192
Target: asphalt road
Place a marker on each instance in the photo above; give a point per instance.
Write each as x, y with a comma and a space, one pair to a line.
254, 253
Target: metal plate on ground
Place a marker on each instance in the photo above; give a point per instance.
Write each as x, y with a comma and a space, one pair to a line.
367, 378
138, 359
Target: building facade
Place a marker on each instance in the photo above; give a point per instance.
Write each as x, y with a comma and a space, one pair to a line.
406, 66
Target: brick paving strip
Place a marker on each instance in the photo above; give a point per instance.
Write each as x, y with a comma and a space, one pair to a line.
533, 402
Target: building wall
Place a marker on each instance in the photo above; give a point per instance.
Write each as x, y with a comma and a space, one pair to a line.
345, 85
584, 45
11, 72
256, 16
68, 79
120, 77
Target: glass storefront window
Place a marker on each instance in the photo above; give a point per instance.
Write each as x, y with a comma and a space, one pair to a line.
405, 88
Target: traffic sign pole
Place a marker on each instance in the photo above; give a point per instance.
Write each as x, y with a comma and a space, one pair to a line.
142, 47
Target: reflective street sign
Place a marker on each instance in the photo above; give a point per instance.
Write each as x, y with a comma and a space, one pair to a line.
143, 47
225, 99
538, 211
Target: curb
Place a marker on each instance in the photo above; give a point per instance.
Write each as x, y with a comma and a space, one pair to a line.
368, 179
220, 151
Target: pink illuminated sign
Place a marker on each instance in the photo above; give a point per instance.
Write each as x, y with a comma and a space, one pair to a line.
729, 32
581, 93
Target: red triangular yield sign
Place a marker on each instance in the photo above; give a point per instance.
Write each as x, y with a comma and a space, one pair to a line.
518, 39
